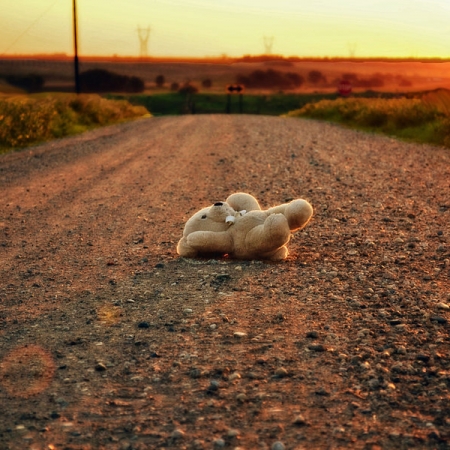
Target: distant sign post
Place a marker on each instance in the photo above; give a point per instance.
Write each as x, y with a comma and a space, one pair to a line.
345, 88
235, 89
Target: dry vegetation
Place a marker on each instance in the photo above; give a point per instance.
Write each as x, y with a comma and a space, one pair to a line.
28, 120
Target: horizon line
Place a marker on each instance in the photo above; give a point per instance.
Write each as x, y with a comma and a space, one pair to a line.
223, 58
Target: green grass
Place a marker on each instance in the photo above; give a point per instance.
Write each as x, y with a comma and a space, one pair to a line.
201, 103
411, 119
27, 120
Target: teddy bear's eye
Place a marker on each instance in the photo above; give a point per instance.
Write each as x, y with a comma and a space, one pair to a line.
204, 216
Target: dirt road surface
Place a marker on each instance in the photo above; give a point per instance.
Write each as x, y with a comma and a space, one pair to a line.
109, 340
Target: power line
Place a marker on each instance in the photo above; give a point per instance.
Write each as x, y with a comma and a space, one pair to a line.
29, 27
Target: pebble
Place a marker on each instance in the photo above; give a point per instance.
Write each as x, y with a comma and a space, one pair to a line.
188, 311
143, 325
322, 391
219, 443
177, 434
443, 305
239, 334
281, 372
213, 386
312, 334
317, 347
241, 398
100, 367
439, 319
278, 446
299, 420
233, 433
234, 376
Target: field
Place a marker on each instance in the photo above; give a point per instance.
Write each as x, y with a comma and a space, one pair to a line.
396, 76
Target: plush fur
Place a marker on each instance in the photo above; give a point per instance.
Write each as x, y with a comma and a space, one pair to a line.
240, 229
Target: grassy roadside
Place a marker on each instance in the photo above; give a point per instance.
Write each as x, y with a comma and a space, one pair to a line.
273, 104
27, 120
425, 119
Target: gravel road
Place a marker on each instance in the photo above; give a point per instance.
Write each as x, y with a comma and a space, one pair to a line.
109, 340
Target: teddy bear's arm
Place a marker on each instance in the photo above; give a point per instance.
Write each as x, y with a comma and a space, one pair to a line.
210, 241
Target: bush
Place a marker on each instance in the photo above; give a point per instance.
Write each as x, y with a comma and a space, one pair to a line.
24, 121
100, 80
30, 82
410, 118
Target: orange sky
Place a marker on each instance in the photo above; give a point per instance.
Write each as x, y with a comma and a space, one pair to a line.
362, 28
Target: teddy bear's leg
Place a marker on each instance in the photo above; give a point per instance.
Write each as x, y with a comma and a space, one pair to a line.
298, 213
279, 255
185, 250
241, 201
269, 236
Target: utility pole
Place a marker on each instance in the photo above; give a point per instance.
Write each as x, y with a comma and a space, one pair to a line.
75, 46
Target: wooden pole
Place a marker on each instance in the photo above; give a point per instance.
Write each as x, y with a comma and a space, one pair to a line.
75, 46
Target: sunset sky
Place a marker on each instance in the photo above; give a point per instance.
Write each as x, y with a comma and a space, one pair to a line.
197, 28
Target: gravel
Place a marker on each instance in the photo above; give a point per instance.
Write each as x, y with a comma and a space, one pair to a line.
109, 340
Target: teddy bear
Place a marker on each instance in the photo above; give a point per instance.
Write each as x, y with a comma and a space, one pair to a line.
239, 228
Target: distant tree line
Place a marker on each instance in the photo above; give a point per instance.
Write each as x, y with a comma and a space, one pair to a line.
270, 79
30, 82
101, 80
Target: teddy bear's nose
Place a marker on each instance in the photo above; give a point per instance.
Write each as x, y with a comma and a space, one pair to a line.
218, 204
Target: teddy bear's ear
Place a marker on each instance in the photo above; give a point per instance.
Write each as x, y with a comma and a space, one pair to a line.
241, 201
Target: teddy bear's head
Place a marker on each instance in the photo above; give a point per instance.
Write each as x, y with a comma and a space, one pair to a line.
217, 217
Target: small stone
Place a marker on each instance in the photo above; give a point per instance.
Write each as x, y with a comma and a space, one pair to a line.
312, 334
233, 433
322, 391
443, 306
100, 367
395, 322
241, 398
278, 446
239, 334
143, 325
177, 434
188, 311
317, 347
299, 420
213, 326
439, 319
130, 300
281, 372
401, 350
234, 376
195, 373
219, 443
423, 357
213, 386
